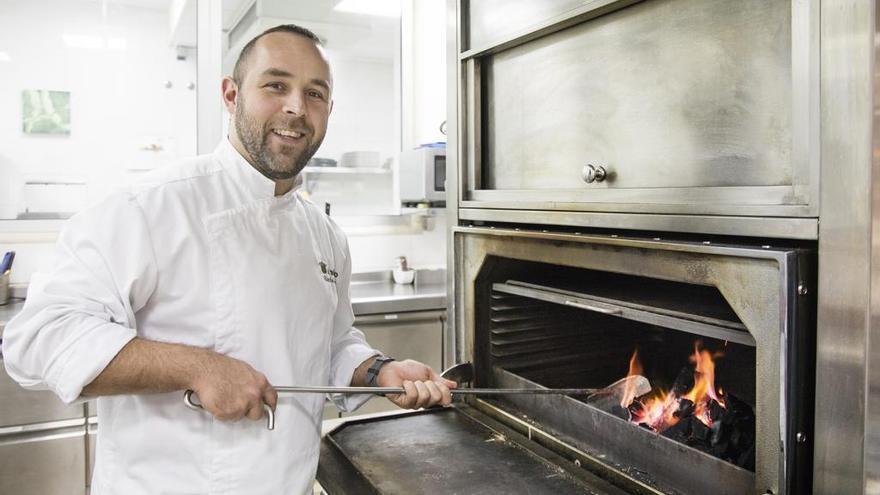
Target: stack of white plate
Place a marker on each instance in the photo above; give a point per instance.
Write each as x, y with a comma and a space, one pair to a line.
360, 159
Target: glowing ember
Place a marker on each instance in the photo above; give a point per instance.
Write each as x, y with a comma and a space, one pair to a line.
663, 409
694, 411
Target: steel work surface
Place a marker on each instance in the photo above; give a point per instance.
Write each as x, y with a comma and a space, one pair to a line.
442, 451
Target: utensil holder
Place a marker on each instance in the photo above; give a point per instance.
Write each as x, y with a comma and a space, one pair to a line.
4, 288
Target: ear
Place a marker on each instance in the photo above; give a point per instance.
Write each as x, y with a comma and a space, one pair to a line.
331, 108
230, 94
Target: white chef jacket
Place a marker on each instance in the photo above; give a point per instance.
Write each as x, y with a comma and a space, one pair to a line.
202, 254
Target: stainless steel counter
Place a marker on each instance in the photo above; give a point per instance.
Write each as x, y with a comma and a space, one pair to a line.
384, 296
7, 311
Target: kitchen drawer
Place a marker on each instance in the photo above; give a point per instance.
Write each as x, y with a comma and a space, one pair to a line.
19, 406
49, 462
91, 441
704, 107
413, 335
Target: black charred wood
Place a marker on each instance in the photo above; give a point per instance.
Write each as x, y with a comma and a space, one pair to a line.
680, 432
716, 411
683, 382
700, 433
718, 433
620, 412
685, 409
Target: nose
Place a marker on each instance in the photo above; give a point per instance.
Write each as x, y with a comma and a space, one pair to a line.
294, 105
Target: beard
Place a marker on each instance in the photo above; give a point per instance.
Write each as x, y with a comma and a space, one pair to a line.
255, 139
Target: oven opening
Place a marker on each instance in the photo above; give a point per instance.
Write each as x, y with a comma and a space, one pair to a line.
563, 327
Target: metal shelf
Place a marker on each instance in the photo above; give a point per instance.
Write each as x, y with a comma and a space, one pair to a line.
715, 328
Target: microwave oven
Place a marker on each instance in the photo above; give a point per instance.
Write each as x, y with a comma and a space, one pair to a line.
423, 175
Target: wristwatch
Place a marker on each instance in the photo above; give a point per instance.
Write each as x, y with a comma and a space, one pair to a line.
373, 370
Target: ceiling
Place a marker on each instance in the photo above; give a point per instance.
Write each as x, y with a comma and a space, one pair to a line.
356, 35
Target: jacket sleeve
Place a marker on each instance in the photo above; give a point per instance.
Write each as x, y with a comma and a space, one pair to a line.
81, 312
349, 348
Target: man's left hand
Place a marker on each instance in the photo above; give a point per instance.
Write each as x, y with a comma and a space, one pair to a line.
424, 387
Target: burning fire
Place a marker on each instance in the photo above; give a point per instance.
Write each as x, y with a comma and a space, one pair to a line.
629, 391
660, 410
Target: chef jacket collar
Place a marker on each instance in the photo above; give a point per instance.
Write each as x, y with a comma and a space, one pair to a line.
244, 173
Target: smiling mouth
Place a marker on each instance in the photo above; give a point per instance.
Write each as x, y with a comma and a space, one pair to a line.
287, 133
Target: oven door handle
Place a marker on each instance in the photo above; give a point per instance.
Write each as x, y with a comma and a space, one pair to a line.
596, 309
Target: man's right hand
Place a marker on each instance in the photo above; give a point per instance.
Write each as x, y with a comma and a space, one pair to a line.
231, 389
226, 387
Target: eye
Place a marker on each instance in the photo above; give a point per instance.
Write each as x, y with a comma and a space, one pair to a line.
275, 86
313, 93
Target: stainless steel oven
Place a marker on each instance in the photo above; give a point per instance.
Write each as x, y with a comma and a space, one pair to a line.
568, 309
556, 309
680, 189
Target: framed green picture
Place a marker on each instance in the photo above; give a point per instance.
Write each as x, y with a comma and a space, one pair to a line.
45, 112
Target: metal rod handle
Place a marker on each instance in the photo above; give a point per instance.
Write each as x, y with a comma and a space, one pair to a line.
188, 400
454, 391
270, 414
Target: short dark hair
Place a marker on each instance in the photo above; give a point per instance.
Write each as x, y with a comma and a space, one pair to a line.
241, 63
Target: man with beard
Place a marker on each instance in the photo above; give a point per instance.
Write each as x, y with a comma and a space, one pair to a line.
215, 276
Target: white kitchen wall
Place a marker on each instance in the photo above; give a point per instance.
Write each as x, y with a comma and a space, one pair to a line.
119, 103
118, 99
422, 241
363, 108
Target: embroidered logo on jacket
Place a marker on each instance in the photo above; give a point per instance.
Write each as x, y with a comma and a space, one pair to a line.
329, 274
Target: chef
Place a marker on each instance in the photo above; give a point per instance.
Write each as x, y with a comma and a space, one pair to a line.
216, 276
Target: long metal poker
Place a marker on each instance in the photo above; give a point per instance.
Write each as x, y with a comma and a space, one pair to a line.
638, 383
454, 391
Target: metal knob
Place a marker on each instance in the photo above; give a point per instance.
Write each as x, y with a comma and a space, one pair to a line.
593, 174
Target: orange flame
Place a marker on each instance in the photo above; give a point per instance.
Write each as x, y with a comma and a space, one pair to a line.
704, 383
658, 411
629, 390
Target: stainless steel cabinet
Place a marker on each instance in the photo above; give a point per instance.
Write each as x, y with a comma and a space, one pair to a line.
47, 462
19, 406
642, 107
42, 442
413, 335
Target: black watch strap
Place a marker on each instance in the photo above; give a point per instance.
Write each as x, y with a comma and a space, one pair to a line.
373, 370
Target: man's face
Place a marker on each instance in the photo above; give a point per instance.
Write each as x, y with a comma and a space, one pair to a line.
281, 107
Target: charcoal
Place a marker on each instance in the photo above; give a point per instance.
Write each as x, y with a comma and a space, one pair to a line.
718, 433
620, 412
685, 409
732, 434
716, 410
719, 449
700, 433
680, 431
683, 382
746, 460
739, 410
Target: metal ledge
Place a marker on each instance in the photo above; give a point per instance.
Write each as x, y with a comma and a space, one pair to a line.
764, 227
